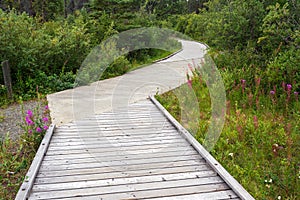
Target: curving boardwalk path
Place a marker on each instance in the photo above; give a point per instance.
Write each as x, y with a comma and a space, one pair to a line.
69, 105
115, 143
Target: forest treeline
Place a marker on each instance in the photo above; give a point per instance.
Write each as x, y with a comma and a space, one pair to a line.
46, 41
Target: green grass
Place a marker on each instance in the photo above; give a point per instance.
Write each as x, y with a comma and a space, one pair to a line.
259, 144
159, 54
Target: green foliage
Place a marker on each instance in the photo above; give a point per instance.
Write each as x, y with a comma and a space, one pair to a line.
48, 10
259, 143
120, 66
225, 25
32, 47
279, 29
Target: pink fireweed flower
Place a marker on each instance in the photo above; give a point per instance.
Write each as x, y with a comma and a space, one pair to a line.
39, 130
289, 87
29, 121
29, 131
189, 83
46, 107
258, 82
243, 81
29, 113
45, 119
255, 121
45, 127
190, 67
272, 92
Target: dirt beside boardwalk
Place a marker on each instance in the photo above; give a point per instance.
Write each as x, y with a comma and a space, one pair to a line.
12, 117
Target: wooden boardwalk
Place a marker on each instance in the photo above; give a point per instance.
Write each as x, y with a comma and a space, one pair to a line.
138, 152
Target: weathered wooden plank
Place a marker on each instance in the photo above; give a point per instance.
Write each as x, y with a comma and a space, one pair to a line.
120, 123
121, 141
129, 149
113, 132
159, 181
179, 150
57, 139
116, 128
236, 187
111, 153
125, 174
117, 156
120, 162
133, 191
94, 170
116, 145
26, 186
220, 195
86, 131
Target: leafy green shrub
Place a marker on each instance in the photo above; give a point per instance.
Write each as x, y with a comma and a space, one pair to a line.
120, 66
32, 47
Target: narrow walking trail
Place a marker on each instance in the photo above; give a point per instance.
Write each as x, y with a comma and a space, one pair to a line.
115, 142
70, 105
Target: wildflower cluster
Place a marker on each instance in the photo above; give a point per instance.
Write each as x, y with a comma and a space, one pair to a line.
36, 124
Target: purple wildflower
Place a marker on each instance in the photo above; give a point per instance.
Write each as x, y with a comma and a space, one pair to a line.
296, 93
46, 107
39, 130
258, 81
29, 113
29, 131
272, 92
45, 127
29, 121
45, 119
289, 87
243, 81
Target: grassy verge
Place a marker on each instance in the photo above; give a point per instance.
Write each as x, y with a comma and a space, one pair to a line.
259, 144
16, 155
159, 54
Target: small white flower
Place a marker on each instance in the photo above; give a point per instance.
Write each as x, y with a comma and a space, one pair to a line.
270, 181
230, 154
279, 197
266, 181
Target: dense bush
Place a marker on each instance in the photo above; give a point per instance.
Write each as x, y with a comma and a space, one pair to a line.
250, 38
32, 47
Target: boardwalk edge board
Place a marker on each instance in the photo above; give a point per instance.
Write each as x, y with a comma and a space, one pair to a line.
27, 185
232, 182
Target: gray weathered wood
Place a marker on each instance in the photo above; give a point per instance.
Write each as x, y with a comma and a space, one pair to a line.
206, 178
121, 174
142, 157
94, 170
236, 187
7, 78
